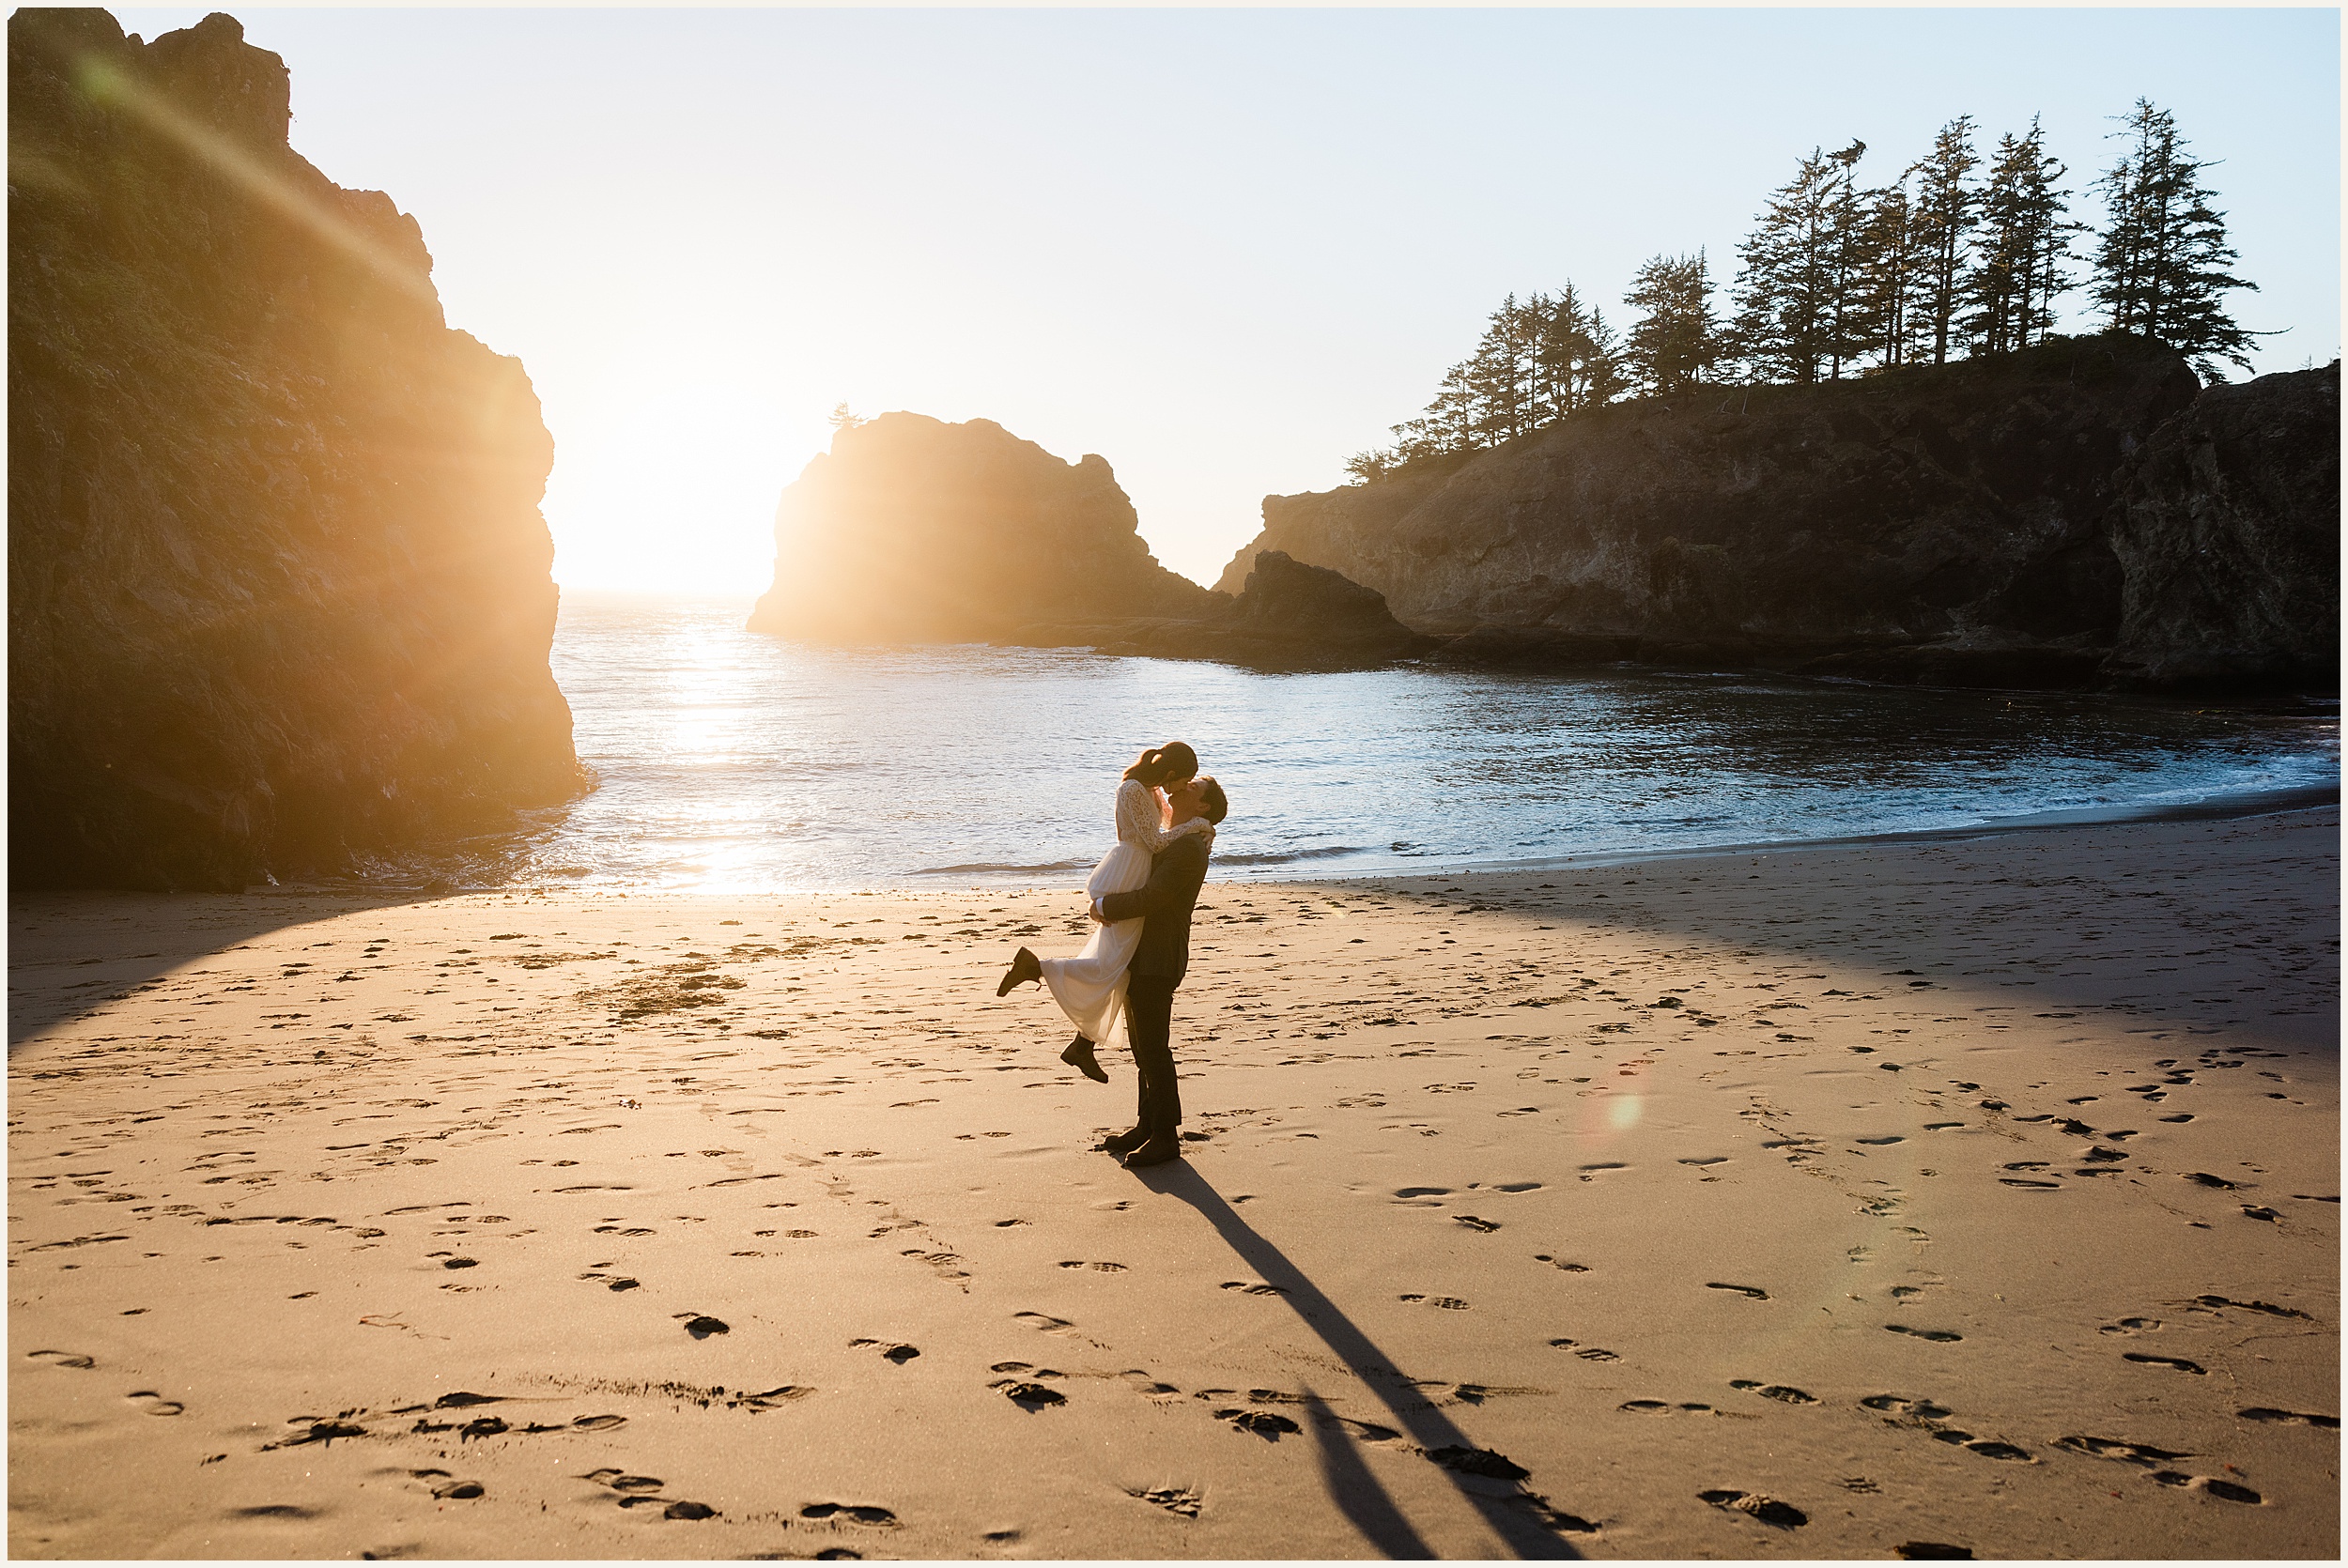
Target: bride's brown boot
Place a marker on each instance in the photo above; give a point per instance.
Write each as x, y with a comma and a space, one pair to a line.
1024, 967
1079, 1055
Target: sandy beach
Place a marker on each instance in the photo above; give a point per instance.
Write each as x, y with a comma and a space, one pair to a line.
1976, 1193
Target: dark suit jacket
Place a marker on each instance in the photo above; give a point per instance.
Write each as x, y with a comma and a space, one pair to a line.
1163, 903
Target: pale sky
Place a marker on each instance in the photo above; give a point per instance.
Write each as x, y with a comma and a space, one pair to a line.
1226, 250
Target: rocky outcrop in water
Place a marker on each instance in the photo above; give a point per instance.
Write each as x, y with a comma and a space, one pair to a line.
912, 529
1951, 525
1288, 616
278, 584
2227, 537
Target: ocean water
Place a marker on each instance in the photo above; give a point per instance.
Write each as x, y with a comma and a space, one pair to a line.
740, 764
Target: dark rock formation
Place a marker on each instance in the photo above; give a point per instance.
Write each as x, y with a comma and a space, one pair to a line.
1288, 616
1949, 525
912, 529
2228, 536
278, 590
1284, 598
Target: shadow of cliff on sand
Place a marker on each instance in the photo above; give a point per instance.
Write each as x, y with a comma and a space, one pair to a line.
70, 954
1524, 1520
2027, 919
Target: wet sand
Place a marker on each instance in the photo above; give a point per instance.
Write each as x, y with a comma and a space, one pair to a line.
1816, 1203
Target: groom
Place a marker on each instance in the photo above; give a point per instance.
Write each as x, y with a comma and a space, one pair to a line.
1164, 905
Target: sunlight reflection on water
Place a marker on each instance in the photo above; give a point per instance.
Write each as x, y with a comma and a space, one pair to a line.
739, 764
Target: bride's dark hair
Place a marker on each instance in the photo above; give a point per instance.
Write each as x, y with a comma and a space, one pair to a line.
1161, 764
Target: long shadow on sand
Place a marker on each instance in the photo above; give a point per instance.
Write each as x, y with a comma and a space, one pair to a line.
2061, 927
74, 953
1519, 1517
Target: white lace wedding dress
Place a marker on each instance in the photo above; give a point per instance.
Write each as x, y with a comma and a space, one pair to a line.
1090, 987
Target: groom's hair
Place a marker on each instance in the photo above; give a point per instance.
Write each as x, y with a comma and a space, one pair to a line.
1211, 802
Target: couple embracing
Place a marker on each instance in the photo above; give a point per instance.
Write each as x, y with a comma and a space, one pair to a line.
1141, 894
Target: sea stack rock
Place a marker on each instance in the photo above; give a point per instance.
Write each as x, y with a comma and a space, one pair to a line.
1288, 616
278, 584
1948, 524
1285, 599
2228, 533
912, 529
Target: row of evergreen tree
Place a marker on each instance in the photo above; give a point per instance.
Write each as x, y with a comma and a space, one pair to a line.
1949, 258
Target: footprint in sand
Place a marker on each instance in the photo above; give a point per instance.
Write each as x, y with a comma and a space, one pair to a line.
1450, 1303
1707, 1160
1987, 1448
1258, 1287
1893, 1405
1184, 1501
1588, 1352
1267, 1424
1475, 1224
1782, 1515
1029, 1396
771, 1399
1783, 1393
2264, 1413
2210, 1483
700, 1325
889, 1351
62, 1357
1096, 1267
2178, 1363
1477, 1461
2130, 1326
1043, 1323
1591, 1171
2114, 1448
1147, 1386
147, 1401
858, 1514
1938, 1336
1557, 1263
1749, 1292
1363, 1431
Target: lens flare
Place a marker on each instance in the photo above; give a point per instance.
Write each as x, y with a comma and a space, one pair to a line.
106, 84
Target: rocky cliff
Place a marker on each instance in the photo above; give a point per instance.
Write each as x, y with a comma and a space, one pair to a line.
278, 585
912, 529
1953, 525
2228, 538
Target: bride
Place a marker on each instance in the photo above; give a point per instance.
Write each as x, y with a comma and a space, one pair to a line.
1090, 987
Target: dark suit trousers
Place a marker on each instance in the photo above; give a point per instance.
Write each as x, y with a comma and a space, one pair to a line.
1149, 1025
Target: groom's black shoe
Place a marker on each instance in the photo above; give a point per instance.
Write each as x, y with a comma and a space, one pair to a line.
1023, 968
1079, 1055
1157, 1151
1123, 1143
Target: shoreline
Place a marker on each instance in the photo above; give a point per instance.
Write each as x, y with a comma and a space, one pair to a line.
1926, 1190
2228, 806
2249, 803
